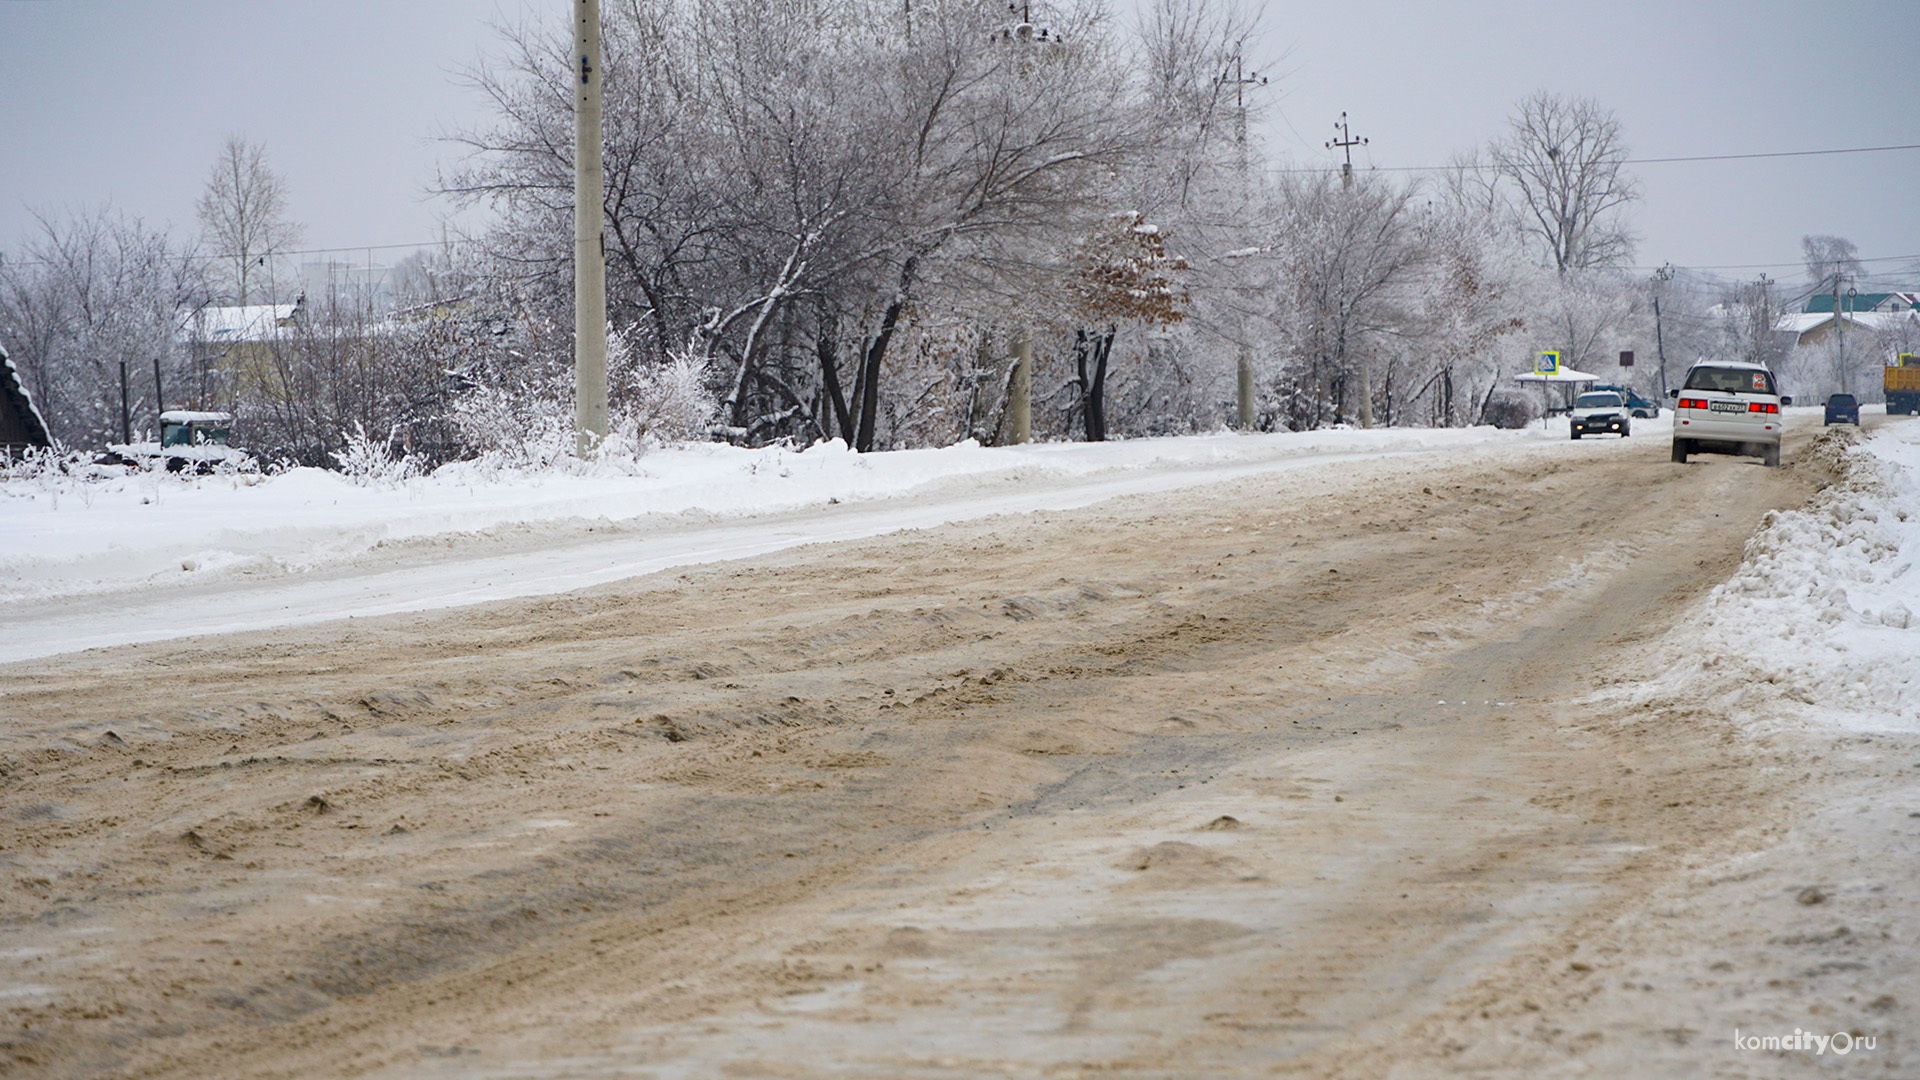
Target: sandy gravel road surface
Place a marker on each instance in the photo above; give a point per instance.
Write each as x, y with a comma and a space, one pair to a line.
1300, 775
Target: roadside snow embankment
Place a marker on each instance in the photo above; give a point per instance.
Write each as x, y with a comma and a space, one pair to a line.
61, 537
1821, 623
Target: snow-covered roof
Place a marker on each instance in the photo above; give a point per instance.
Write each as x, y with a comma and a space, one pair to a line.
14, 387
1804, 322
254, 322
185, 416
1564, 375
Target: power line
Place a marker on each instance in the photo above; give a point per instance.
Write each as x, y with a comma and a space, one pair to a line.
1483, 167
1779, 265
203, 256
1777, 154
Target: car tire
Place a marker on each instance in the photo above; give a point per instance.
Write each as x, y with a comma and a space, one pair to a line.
1626, 430
1680, 449
1772, 456
1576, 436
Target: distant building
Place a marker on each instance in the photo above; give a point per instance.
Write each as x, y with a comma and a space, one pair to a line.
1810, 329
218, 329
1886, 302
1887, 313
231, 349
21, 425
348, 285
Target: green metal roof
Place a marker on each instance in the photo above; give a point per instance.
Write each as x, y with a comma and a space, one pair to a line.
1821, 303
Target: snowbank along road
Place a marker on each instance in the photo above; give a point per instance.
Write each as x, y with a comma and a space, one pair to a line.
1309, 775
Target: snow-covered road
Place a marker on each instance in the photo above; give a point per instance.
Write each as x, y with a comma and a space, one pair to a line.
1376, 753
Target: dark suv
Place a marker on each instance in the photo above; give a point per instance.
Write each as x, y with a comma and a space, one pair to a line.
1843, 409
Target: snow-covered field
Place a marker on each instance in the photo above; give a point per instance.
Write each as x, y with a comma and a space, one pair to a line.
1823, 611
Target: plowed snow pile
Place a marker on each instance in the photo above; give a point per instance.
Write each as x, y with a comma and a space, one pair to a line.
1818, 625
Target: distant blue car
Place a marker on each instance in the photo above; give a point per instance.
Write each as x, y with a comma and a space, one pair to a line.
1843, 409
1637, 404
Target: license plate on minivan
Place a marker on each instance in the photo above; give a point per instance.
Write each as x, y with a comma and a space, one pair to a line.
1727, 406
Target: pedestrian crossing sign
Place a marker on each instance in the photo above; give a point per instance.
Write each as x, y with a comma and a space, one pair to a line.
1546, 363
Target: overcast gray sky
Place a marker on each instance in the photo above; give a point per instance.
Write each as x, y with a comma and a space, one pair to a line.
129, 102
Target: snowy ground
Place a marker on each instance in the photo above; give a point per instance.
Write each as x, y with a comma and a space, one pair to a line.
1199, 776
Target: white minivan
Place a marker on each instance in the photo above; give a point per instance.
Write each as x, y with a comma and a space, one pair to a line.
1726, 407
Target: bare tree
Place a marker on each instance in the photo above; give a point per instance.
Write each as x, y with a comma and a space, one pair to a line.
796, 189
1587, 312
1564, 157
1349, 260
1832, 261
243, 213
91, 291
1472, 302
1188, 49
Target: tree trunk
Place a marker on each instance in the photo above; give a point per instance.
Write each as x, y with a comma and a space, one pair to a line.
827, 347
870, 376
1096, 387
876, 352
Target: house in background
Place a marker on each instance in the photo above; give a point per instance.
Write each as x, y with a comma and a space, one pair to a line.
21, 425
228, 348
1872, 313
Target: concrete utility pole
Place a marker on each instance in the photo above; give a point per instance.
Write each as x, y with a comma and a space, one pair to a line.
1243, 363
1020, 390
1020, 384
1839, 334
589, 250
1846, 380
1346, 142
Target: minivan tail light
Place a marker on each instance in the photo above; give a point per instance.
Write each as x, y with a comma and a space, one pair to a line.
1763, 406
1692, 403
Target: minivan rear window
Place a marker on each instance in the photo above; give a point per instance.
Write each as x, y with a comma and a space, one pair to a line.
1730, 380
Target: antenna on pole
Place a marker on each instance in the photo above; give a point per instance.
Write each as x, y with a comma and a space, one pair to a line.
1346, 142
589, 249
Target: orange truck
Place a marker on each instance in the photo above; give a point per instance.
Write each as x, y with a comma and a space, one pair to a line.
1903, 385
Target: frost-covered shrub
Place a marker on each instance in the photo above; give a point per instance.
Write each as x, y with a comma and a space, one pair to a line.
38, 464
664, 405
529, 424
1510, 410
524, 425
368, 461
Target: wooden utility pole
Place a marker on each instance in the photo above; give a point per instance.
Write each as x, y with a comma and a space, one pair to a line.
1660, 277
126, 414
589, 250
